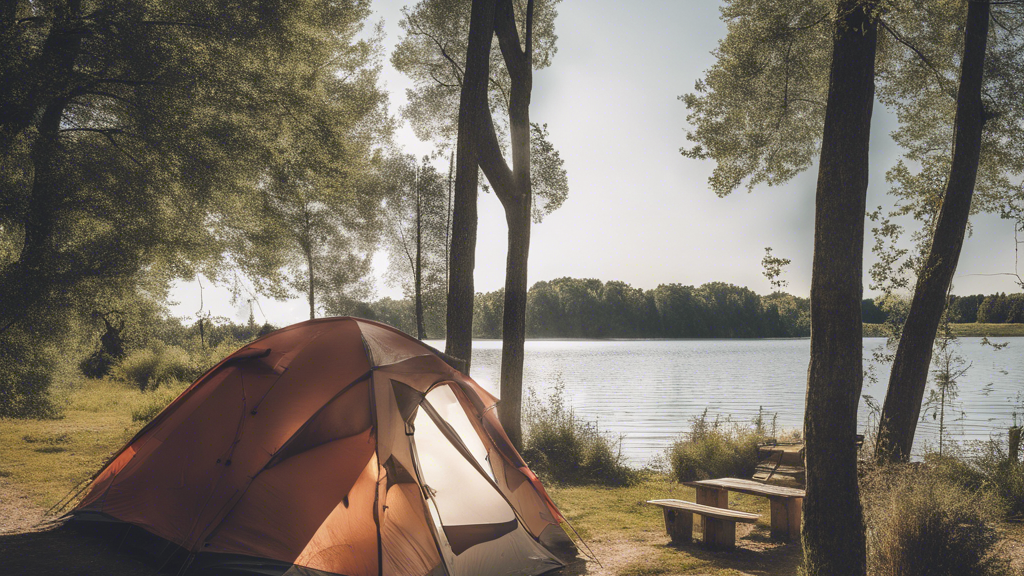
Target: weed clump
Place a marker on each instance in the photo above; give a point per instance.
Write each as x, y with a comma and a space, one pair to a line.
567, 450
920, 523
153, 402
987, 468
716, 449
149, 367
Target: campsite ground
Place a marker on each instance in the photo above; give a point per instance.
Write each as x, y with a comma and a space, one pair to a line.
44, 459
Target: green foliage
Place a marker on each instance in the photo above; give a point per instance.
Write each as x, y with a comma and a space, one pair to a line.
432, 53
148, 368
985, 467
759, 110
146, 407
715, 449
921, 523
564, 449
143, 141
418, 216
27, 371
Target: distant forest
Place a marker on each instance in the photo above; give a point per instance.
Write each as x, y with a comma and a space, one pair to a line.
590, 308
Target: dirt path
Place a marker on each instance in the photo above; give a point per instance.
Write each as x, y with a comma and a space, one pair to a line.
17, 512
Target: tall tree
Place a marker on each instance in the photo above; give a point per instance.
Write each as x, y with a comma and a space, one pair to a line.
444, 107
149, 123
833, 529
758, 113
909, 377
418, 216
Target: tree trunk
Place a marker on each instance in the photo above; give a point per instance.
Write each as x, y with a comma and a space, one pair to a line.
311, 294
421, 331
459, 317
513, 334
833, 529
909, 375
515, 192
27, 281
49, 75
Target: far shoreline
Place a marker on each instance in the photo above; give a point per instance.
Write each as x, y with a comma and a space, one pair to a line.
966, 330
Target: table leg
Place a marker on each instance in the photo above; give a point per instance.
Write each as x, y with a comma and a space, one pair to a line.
786, 516
708, 496
719, 534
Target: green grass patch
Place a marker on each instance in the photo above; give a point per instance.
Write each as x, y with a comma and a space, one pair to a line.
961, 330
46, 458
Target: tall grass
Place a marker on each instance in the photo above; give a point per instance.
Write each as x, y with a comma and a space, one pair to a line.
718, 449
920, 523
565, 449
985, 467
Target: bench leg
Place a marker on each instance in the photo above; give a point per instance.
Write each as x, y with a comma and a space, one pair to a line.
711, 497
719, 534
786, 517
678, 525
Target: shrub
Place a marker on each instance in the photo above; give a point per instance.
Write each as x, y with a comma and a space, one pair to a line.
154, 401
27, 375
567, 450
713, 449
149, 367
986, 468
922, 524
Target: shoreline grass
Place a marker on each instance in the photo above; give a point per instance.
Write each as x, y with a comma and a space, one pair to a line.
968, 330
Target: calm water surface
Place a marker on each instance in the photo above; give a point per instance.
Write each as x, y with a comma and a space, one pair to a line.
649, 390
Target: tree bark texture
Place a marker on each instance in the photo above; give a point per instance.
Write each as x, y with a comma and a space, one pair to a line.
909, 377
833, 529
514, 189
459, 317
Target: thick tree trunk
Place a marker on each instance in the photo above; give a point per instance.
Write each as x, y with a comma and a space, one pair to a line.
909, 375
29, 280
513, 326
473, 100
833, 529
515, 192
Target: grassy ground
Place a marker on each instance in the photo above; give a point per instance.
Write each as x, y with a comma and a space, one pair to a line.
969, 330
42, 460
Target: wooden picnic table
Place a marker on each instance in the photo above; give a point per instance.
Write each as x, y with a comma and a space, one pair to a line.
786, 503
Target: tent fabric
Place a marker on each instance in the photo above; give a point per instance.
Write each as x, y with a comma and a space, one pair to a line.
337, 446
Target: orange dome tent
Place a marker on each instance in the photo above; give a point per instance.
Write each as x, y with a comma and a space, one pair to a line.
337, 446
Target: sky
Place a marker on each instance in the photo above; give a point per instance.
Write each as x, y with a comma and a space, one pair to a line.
638, 211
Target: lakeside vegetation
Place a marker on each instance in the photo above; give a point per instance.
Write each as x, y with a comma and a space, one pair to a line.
45, 459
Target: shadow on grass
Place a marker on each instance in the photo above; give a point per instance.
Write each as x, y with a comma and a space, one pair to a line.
755, 553
64, 549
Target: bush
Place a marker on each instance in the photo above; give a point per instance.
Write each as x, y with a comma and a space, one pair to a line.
566, 450
716, 450
922, 524
986, 468
27, 374
149, 367
153, 402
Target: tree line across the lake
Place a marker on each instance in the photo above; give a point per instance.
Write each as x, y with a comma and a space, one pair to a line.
591, 308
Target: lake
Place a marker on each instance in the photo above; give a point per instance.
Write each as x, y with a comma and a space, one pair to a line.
649, 390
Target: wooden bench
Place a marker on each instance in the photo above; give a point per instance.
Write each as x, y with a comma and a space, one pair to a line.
719, 523
786, 503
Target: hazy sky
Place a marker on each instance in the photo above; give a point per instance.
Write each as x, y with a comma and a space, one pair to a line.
637, 210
